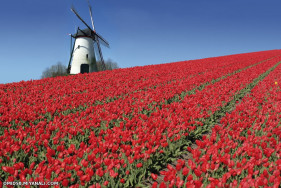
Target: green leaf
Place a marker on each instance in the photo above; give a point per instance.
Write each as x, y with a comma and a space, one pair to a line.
140, 185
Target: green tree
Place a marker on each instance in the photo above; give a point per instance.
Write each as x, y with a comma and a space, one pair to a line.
55, 70
109, 65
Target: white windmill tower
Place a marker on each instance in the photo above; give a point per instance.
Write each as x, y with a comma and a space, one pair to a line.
83, 58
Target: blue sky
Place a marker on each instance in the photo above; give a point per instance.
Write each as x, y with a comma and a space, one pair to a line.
140, 32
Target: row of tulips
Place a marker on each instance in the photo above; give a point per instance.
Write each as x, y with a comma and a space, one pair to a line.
99, 145
60, 94
19, 101
243, 150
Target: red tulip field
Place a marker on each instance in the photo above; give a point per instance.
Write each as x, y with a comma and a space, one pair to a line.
130, 127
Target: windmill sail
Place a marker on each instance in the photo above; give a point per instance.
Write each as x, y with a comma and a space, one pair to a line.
100, 55
74, 11
91, 15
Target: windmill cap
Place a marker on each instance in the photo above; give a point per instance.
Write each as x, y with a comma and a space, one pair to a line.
84, 33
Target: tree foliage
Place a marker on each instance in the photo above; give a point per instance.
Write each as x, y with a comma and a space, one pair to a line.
61, 70
55, 70
109, 65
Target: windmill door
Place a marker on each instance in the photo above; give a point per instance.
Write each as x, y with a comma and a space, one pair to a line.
84, 68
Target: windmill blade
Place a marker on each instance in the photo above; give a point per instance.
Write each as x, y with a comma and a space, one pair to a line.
70, 42
71, 52
103, 41
100, 54
91, 15
74, 11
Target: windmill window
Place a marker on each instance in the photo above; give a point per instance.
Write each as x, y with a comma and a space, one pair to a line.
87, 56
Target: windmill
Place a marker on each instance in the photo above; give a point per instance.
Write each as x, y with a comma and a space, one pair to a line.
87, 42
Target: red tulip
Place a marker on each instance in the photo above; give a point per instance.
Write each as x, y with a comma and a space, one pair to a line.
139, 165
122, 180
8, 169
185, 171
65, 183
154, 176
